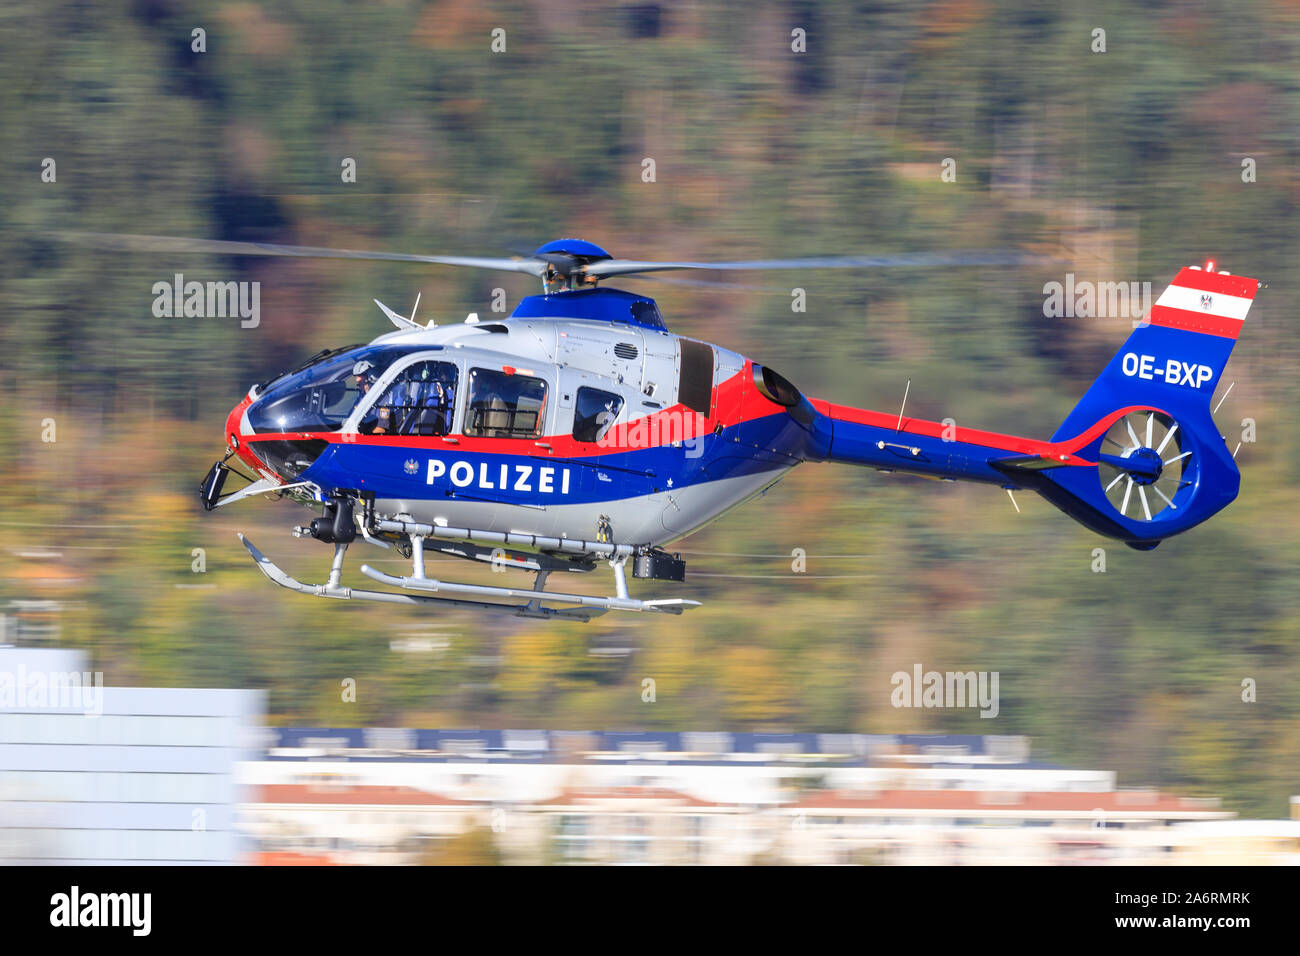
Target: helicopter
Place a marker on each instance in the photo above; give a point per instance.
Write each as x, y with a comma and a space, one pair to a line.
580, 431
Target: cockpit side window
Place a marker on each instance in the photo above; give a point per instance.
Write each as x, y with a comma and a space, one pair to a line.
421, 400
594, 412
505, 405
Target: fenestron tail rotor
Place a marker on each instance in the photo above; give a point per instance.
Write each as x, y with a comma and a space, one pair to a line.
1143, 465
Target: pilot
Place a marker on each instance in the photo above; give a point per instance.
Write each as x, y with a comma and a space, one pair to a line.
364, 374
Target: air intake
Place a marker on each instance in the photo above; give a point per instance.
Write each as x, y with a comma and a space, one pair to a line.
626, 350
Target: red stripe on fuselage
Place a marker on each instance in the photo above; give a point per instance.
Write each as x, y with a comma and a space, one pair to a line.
733, 404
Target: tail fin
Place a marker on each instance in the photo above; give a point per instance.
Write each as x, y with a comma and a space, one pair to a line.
1146, 421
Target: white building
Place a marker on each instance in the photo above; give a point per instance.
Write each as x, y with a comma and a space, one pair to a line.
353, 796
114, 775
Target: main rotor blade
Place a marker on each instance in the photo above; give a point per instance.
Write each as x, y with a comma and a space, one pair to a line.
715, 284
129, 243
977, 257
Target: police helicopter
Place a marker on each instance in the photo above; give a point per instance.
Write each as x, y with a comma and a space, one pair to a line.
580, 431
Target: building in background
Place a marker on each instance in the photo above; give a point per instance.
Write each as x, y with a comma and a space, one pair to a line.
117, 775
395, 796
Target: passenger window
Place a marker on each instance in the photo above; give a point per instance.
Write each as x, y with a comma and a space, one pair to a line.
420, 401
505, 405
594, 413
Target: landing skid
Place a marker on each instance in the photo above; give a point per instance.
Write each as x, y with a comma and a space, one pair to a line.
584, 608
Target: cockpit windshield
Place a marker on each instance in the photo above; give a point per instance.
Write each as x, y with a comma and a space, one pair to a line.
321, 396
303, 366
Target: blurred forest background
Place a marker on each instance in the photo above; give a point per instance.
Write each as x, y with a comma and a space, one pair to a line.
1120, 166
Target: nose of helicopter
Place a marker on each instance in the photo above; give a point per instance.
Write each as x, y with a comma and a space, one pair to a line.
237, 430
271, 454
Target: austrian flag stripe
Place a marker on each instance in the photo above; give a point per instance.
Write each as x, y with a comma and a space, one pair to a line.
1210, 302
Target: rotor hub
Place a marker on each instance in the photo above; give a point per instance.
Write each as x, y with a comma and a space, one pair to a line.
566, 263
1146, 465
573, 248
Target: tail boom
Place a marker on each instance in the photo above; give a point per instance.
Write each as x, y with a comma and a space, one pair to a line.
1138, 459
859, 436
